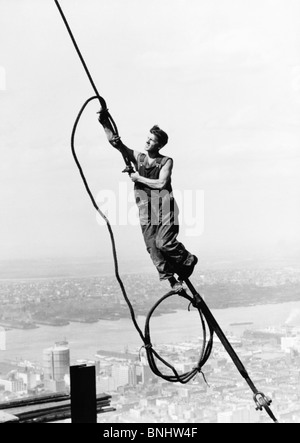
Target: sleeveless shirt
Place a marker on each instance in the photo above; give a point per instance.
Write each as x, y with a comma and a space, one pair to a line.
155, 206
151, 172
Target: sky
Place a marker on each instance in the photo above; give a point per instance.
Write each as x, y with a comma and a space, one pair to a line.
222, 77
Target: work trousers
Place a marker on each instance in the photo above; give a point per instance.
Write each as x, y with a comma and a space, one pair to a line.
160, 227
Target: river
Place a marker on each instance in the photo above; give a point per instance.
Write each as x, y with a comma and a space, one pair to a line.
86, 339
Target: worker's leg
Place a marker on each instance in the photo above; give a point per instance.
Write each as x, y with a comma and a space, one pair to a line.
182, 261
164, 267
149, 230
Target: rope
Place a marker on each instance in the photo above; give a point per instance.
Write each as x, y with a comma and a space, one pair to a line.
152, 355
205, 315
101, 99
109, 227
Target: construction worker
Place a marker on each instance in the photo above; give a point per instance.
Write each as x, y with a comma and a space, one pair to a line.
158, 210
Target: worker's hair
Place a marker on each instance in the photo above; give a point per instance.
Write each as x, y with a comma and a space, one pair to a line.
161, 135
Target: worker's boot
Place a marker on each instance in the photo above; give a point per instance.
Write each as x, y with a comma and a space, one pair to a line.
176, 286
188, 267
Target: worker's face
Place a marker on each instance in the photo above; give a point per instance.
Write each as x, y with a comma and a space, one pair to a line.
152, 144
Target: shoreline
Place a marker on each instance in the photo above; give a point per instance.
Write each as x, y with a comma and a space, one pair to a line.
85, 339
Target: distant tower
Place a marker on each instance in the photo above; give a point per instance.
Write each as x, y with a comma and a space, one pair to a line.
56, 366
143, 373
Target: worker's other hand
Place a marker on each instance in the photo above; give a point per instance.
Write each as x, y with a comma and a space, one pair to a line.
135, 177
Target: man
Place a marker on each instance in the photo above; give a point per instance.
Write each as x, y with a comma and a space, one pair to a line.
158, 210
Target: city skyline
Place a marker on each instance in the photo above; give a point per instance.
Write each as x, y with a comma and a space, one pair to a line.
258, 310
272, 356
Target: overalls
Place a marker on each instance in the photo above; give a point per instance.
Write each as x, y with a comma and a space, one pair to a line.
158, 214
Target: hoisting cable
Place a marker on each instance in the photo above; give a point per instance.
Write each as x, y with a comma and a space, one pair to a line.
146, 339
128, 164
262, 402
151, 353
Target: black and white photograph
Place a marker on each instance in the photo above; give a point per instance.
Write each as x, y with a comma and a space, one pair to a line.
149, 214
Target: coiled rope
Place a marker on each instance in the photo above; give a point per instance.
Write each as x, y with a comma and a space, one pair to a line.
152, 355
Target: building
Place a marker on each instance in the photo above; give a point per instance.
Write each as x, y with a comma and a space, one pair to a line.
56, 363
120, 375
143, 374
13, 383
16, 385
30, 379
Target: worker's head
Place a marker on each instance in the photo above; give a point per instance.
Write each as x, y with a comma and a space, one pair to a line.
157, 139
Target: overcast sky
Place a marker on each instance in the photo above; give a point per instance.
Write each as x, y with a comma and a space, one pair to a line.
222, 77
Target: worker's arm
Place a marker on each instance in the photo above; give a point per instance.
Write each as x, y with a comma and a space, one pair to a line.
161, 182
115, 140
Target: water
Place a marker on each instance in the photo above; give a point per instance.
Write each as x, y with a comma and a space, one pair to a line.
86, 339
